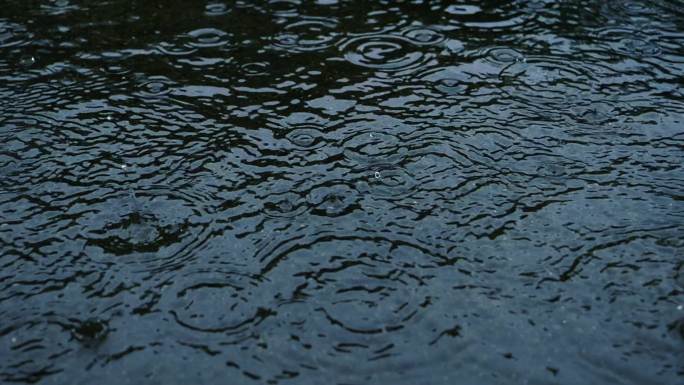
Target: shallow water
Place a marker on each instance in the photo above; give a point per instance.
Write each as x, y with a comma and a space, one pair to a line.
404, 192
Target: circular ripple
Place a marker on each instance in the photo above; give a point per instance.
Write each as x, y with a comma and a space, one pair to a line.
216, 302
12, 34
639, 47
216, 9
629, 42
284, 205
373, 147
384, 52
628, 8
448, 81
284, 7
207, 38
388, 181
463, 10
363, 300
306, 138
173, 49
539, 79
256, 68
310, 34
151, 228
90, 331
333, 201
503, 56
155, 87
424, 36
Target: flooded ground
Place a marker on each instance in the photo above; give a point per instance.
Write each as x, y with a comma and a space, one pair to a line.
342, 192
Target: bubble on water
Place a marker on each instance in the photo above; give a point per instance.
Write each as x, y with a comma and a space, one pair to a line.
27, 60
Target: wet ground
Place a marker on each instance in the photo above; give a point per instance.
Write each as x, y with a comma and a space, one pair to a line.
342, 192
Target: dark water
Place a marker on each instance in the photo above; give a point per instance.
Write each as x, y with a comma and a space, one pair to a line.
342, 192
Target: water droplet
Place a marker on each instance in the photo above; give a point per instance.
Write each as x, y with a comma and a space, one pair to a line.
27, 60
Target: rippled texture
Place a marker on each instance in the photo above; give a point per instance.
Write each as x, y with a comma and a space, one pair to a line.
389, 192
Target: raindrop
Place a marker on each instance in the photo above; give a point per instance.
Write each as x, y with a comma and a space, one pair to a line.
90, 331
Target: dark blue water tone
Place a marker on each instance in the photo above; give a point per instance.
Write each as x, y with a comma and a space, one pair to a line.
342, 192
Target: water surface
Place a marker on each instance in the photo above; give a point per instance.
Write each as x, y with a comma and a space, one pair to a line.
298, 192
